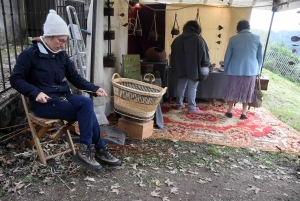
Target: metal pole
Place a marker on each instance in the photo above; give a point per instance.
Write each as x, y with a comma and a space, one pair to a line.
93, 42
266, 46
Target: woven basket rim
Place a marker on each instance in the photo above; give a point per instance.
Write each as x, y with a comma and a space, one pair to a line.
115, 82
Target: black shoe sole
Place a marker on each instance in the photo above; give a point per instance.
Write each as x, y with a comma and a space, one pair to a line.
243, 116
102, 162
84, 164
228, 114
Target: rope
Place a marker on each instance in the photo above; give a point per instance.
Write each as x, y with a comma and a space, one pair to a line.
14, 126
22, 131
153, 23
198, 17
14, 132
175, 22
137, 23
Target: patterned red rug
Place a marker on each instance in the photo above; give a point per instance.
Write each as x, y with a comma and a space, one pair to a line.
260, 131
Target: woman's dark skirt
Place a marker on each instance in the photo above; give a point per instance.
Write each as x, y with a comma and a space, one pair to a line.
239, 89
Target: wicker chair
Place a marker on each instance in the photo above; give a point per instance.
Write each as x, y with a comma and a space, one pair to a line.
39, 126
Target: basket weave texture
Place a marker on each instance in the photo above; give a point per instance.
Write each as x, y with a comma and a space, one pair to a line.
136, 99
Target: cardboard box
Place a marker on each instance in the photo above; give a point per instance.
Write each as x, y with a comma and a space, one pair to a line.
264, 81
136, 129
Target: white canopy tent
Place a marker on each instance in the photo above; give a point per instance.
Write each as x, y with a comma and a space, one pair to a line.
229, 12
261, 4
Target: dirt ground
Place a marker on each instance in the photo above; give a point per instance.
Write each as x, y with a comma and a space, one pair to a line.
152, 170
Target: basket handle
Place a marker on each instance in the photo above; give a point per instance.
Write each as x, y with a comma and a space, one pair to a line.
151, 77
115, 75
164, 90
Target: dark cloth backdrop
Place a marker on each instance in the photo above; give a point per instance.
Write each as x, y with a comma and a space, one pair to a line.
139, 44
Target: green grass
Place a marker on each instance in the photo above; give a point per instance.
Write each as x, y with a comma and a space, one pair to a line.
30, 180
282, 99
212, 150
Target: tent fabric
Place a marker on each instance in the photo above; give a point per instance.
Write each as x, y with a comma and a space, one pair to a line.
103, 75
210, 19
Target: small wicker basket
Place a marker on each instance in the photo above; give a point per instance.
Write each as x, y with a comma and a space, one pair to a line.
136, 99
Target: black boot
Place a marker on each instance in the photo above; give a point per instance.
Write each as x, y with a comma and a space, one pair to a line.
86, 156
104, 156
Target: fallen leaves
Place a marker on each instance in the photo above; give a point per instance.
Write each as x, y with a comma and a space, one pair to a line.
89, 179
154, 194
165, 199
169, 183
114, 188
115, 191
257, 176
253, 188
204, 181
174, 190
172, 171
134, 166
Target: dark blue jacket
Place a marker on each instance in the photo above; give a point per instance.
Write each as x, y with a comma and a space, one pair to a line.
38, 70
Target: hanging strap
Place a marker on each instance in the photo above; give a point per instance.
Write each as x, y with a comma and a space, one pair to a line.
198, 17
137, 21
175, 22
154, 24
257, 85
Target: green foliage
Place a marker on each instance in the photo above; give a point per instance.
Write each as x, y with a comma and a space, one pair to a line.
111, 3
30, 180
283, 49
268, 64
282, 99
110, 56
109, 28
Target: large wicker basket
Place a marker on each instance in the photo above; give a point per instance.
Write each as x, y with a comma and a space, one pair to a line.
136, 99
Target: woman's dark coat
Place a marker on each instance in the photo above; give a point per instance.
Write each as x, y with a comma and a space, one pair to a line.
189, 53
37, 70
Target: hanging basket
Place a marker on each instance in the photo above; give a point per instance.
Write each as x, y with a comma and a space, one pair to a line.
153, 36
138, 25
138, 32
175, 29
109, 11
109, 62
136, 99
155, 54
109, 35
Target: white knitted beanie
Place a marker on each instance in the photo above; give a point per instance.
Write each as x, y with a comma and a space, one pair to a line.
55, 25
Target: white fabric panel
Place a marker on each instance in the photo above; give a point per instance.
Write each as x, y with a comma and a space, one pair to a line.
210, 19
102, 76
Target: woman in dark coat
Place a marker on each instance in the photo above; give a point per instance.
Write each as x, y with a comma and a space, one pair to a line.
189, 63
40, 74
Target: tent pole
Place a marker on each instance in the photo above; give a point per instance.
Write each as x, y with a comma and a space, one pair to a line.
93, 43
266, 46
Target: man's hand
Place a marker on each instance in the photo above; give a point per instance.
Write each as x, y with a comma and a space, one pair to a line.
101, 92
42, 98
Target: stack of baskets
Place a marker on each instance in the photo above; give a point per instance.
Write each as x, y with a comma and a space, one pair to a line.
136, 99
